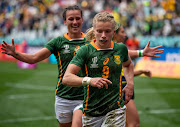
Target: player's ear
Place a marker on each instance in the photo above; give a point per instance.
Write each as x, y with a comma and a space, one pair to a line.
65, 23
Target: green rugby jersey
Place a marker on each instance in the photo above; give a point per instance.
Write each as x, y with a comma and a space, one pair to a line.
106, 63
64, 49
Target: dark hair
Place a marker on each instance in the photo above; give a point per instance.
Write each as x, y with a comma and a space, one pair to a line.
74, 7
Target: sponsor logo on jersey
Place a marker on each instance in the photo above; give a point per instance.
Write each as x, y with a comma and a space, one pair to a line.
94, 64
106, 61
117, 59
66, 50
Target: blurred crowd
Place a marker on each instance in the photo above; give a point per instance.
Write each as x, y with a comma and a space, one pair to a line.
43, 18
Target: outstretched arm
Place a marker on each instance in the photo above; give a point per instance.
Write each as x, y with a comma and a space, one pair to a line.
147, 51
71, 79
146, 72
129, 75
28, 58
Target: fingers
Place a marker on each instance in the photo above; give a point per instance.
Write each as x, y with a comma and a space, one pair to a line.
158, 47
128, 94
13, 41
127, 98
3, 45
100, 82
104, 83
100, 85
156, 56
4, 42
4, 52
3, 48
148, 73
148, 44
108, 81
159, 50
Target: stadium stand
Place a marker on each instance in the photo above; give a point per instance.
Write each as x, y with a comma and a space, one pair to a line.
39, 21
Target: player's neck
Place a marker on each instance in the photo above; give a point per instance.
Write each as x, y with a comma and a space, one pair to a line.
103, 46
73, 36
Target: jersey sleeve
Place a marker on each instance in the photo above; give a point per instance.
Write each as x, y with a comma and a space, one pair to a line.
125, 56
51, 45
80, 57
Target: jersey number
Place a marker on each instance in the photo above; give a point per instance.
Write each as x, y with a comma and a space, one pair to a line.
105, 72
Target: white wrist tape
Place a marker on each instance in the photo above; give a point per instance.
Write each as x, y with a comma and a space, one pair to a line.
86, 81
140, 52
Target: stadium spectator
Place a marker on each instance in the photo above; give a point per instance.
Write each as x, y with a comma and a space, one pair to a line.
105, 85
23, 17
176, 24
132, 43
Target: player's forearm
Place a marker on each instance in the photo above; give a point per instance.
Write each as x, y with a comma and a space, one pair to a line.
138, 72
135, 53
72, 80
28, 58
33, 58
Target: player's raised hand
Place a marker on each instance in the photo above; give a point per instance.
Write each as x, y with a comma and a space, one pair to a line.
152, 51
99, 82
7, 48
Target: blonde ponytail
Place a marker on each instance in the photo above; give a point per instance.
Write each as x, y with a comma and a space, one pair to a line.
90, 34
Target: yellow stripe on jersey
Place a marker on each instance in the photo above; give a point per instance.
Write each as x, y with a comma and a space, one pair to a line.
122, 73
60, 76
120, 92
87, 91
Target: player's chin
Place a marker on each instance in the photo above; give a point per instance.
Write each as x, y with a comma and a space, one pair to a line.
76, 31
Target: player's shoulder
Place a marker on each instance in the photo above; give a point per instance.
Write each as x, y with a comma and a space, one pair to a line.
119, 45
56, 39
84, 47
